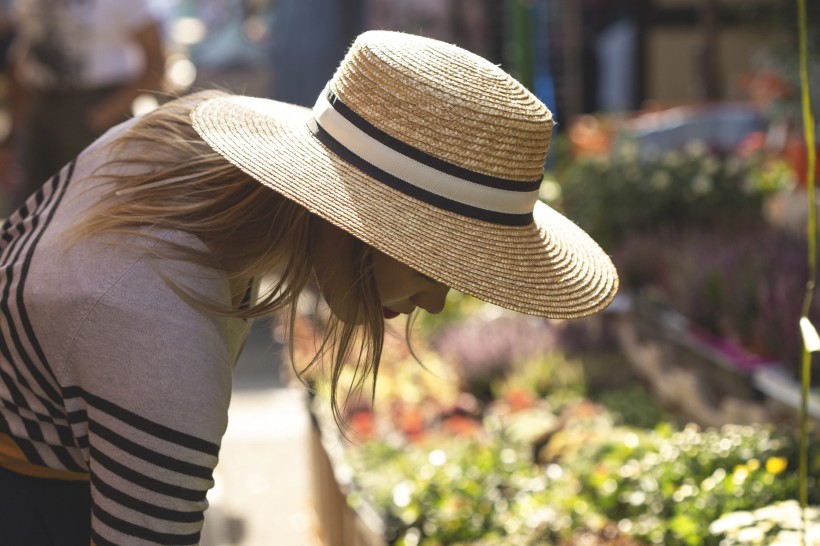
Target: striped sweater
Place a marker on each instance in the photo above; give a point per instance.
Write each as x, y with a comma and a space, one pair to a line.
106, 374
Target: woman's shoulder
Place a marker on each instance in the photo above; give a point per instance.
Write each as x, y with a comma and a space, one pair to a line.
103, 265
113, 280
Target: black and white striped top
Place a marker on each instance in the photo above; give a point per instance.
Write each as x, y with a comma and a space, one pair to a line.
105, 373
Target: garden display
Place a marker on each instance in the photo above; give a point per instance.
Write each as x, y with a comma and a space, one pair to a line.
714, 236
516, 440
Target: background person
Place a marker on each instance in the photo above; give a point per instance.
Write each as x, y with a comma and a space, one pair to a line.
75, 68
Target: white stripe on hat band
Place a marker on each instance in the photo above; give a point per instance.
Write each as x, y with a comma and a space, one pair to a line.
416, 173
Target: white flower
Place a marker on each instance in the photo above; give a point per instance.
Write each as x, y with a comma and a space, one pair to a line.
437, 457
710, 165
660, 180
731, 522
695, 148
554, 471
751, 535
786, 538
702, 184
403, 493
672, 159
629, 150
779, 512
550, 191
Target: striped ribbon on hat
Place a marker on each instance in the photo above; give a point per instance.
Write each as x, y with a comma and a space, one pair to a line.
419, 174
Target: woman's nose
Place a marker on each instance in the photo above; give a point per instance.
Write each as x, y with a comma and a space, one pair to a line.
432, 299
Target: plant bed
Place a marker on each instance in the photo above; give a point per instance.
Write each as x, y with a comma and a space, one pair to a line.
591, 482
709, 234
538, 462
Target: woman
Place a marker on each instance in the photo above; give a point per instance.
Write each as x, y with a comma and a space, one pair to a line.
128, 279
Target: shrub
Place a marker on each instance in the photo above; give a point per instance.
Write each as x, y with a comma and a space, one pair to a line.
620, 194
663, 486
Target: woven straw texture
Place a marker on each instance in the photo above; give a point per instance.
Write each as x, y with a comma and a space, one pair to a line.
453, 105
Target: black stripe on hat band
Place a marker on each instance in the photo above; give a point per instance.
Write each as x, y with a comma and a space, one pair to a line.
503, 218
425, 158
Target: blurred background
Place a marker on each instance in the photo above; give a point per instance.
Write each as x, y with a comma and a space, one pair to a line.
668, 419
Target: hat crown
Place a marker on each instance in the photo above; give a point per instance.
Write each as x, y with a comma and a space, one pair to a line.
446, 102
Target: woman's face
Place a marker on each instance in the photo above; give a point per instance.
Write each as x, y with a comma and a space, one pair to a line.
400, 288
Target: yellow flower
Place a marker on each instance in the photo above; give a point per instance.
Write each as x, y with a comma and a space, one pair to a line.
776, 465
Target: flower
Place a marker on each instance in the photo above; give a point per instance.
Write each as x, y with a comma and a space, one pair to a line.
702, 184
776, 465
695, 148
660, 180
732, 522
363, 423
753, 464
740, 474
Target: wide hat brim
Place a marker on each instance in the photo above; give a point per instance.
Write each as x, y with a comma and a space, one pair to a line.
550, 268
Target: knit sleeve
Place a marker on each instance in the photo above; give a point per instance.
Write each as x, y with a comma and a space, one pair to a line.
151, 377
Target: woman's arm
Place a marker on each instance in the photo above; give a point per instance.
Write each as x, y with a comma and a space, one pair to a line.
149, 380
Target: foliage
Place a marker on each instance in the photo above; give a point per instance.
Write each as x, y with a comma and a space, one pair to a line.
633, 406
687, 227
660, 486
485, 347
460, 306
619, 194
537, 463
444, 492
667, 485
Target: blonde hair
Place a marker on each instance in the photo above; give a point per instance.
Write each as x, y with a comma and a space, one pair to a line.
250, 231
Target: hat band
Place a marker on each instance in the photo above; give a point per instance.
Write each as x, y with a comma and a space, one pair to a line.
418, 174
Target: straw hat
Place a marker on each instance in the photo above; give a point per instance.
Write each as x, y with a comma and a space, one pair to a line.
432, 155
